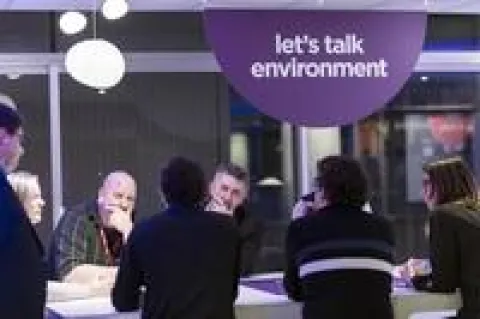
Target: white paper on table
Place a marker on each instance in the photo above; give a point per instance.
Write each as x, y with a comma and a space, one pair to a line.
62, 291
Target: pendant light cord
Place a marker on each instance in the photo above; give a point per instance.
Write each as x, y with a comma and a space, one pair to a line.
94, 18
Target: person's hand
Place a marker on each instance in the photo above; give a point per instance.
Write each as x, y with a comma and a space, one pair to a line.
217, 205
121, 221
117, 218
401, 271
417, 267
300, 209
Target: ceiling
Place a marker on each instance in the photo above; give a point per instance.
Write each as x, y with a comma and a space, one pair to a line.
433, 6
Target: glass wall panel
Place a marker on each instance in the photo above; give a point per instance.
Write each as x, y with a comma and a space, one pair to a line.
137, 126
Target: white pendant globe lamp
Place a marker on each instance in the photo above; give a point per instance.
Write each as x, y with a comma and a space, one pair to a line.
72, 22
96, 63
114, 9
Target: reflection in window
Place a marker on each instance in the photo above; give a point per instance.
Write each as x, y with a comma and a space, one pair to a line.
432, 117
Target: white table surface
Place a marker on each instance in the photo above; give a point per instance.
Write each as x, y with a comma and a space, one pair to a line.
251, 303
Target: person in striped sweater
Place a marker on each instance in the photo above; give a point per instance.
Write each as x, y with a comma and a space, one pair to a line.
339, 259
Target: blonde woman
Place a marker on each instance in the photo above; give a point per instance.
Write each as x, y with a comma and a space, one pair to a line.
27, 188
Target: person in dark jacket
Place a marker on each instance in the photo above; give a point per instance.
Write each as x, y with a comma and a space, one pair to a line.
227, 195
450, 193
339, 258
185, 257
22, 271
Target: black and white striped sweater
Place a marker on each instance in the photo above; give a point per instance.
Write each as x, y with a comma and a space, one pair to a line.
339, 263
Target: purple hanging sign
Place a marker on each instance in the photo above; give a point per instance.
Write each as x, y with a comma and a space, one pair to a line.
316, 68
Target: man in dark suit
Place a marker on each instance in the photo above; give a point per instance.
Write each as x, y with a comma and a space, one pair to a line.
22, 273
186, 258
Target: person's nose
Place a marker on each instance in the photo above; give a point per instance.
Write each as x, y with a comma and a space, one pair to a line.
228, 196
124, 204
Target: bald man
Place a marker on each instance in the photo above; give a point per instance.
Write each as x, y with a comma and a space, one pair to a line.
86, 244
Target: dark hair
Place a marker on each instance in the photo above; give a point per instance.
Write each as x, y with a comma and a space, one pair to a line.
343, 181
10, 119
233, 170
451, 180
183, 182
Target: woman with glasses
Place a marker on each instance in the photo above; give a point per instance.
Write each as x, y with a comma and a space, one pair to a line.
450, 193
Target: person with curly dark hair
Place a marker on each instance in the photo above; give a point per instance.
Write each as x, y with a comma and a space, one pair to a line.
338, 249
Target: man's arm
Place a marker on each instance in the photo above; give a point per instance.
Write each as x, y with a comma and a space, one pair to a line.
444, 254
92, 274
70, 245
291, 280
126, 290
251, 242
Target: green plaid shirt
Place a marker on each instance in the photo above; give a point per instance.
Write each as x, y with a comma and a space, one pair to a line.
76, 241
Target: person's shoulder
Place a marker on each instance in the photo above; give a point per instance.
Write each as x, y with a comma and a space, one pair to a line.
216, 218
379, 220
181, 215
79, 213
377, 217
83, 208
457, 211
301, 223
217, 223
453, 208
246, 218
448, 212
147, 227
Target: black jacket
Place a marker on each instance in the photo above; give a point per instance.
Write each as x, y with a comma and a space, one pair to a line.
339, 263
187, 260
455, 256
22, 271
251, 233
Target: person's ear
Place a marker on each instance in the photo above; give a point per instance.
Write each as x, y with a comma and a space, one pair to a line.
319, 200
100, 197
211, 187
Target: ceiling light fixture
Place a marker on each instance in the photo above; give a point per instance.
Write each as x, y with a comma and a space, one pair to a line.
72, 22
95, 63
114, 9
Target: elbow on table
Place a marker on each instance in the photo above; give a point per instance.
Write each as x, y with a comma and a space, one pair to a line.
124, 307
123, 304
